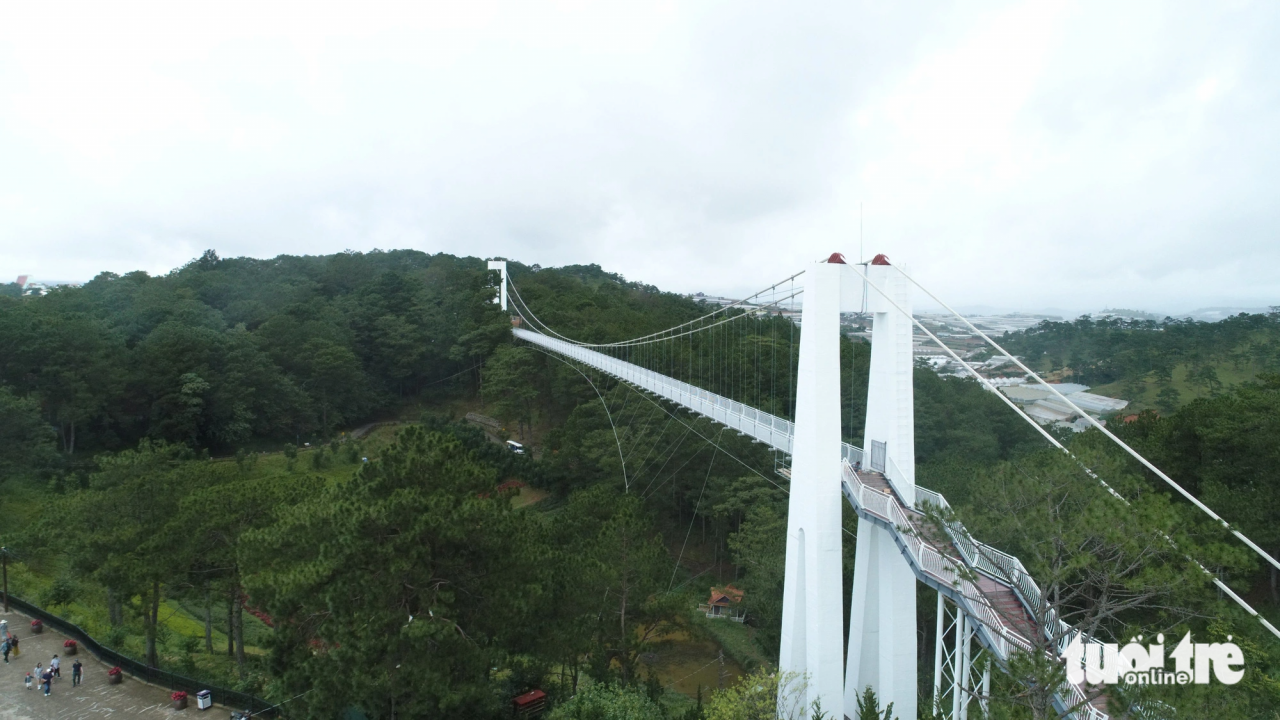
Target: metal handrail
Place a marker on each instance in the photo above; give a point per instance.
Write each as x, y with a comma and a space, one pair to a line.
1000, 566
233, 699
900, 484
778, 432
757, 424
1002, 639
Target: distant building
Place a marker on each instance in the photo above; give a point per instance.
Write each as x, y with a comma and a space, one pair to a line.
1047, 414
1091, 403
1046, 408
725, 602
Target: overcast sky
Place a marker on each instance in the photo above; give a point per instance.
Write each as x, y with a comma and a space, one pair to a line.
1013, 155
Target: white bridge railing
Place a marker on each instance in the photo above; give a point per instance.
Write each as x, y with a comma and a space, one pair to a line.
759, 425
927, 561
944, 571
976, 556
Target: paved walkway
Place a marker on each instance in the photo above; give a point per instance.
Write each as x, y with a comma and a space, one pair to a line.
93, 698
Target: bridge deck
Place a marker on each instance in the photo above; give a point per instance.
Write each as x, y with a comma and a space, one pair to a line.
936, 560
992, 587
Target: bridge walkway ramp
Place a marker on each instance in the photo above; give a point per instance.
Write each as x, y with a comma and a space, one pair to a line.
989, 585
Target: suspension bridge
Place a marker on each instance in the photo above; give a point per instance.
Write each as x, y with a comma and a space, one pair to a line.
988, 606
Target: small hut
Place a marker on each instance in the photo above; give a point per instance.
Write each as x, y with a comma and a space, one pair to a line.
726, 602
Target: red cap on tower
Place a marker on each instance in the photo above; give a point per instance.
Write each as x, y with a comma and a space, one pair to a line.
836, 259
880, 259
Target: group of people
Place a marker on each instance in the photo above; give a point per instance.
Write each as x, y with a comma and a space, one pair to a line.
8, 645
46, 675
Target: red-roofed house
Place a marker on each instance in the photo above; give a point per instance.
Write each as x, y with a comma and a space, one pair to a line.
529, 704
726, 602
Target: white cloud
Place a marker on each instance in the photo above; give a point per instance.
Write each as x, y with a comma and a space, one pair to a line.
1015, 154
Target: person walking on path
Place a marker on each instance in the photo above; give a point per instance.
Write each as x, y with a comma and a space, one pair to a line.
28, 681
4, 646
77, 672
55, 666
47, 681
13, 641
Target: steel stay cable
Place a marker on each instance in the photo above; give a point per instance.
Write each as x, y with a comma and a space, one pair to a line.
636, 443
1136, 455
645, 339
729, 319
695, 672
715, 312
687, 426
689, 580
626, 485
726, 452
675, 447
673, 472
704, 437
694, 517
644, 463
986, 383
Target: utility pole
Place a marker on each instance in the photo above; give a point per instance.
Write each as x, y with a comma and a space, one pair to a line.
721, 678
4, 563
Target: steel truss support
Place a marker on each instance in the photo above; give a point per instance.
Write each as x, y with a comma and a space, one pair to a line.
961, 666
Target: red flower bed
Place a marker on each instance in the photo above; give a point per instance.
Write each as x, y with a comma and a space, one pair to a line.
68, 643
114, 671
178, 695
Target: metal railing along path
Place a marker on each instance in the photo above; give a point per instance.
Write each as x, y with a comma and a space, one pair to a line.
954, 576
950, 575
768, 429
231, 699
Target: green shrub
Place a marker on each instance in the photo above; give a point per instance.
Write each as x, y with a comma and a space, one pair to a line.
608, 702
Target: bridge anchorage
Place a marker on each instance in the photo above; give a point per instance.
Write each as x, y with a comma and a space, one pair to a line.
989, 607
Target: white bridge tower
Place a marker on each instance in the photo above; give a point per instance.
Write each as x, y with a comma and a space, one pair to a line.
813, 594
882, 616
882, 638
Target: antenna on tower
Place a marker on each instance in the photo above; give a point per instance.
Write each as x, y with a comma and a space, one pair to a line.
859, 233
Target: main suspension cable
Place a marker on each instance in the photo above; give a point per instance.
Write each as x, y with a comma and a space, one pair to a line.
669, 333
1110, 435
987, 384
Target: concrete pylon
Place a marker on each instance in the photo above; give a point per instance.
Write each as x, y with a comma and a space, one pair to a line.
812, 609
500, 266
882, 614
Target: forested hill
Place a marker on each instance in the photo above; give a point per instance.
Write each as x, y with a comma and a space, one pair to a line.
226, 351
425, 571
1160, 365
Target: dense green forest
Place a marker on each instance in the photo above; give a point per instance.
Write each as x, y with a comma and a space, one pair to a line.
1157, 365
188, 468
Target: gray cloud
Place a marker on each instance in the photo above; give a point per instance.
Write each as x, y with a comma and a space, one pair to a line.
1013, 155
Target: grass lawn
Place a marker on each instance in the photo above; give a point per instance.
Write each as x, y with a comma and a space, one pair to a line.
737, 639
1145, 399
